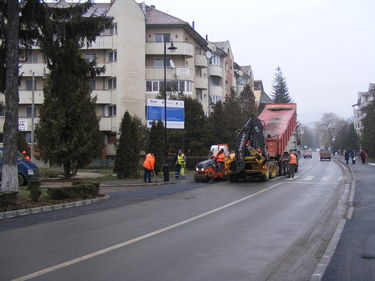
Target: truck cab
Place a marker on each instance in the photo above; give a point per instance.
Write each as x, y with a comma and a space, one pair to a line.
27, 170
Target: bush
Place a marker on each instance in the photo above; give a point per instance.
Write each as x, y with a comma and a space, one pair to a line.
8, 198
77, 190
33, 185
35, 194
50, 173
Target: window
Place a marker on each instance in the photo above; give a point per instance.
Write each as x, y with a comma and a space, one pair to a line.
29, 84
32, 57
110, 110
113, 29
112, 56
2, 108
148, 86
215, 60
175, 86
160, 62
29, 112
111, 139
112, 83
90, 57
162, 37
92, 83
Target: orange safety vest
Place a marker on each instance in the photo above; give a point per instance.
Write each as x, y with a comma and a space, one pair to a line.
149, 162
220, 157
293, 159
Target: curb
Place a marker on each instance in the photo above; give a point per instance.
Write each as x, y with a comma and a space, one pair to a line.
322, 265
144, 184
48, 208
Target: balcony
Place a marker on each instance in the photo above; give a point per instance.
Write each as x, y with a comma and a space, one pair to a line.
110, 69
215, 70
201, 61
201, 83
108, 124
26, 97
101, 42
102, 96
216, 91
179, 73
24, 124
111, 150
27, 69
157, 48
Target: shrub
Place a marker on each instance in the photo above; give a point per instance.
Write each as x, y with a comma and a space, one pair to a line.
50, 173
33, 184
77, 190
8, 198
35, 194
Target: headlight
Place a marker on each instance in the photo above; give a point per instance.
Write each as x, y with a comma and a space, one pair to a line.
197, 169
30, 172
202, 169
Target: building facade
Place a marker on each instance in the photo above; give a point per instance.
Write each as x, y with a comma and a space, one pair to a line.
364, 99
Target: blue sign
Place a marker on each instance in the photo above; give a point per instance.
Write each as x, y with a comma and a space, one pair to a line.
175, 113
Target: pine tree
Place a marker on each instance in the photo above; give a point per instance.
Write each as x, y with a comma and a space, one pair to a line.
68, 130
123, 164
156, 144
247, 103
280, 92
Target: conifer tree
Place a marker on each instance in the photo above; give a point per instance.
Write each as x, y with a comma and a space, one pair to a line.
368, 136
156, 144
68, 130
123, 164
247, 103
280, 92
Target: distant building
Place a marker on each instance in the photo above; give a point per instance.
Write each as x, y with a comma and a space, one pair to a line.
244, 76
261, 97
364, 98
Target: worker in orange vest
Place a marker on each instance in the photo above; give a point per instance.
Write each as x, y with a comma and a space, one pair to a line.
292, 164
220, 159
24, 153
149, 165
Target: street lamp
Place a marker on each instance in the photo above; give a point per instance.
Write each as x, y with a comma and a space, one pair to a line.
171, 48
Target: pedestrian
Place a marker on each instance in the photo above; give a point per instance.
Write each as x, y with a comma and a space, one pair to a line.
181, 163
362, 154
220, 159
292, 164
352, 156
149, 165
24, 153
284, 160
346, 155
177, 167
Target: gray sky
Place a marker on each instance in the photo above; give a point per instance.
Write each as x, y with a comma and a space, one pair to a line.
325, 48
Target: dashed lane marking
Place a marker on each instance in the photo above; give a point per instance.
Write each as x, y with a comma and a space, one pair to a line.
325, 178
309, 178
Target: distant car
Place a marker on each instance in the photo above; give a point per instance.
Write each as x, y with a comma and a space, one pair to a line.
325, 154
307, 154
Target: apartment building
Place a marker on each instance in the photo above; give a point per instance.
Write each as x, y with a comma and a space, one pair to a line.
186, 66
364, 99
244, 76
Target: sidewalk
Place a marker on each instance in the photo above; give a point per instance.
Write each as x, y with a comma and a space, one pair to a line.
354, 257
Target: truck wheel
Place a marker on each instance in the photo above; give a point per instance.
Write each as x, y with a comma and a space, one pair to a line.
266, 177
21, 180
273, 173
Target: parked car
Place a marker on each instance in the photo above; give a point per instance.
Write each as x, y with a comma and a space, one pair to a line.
27, 170
307, 154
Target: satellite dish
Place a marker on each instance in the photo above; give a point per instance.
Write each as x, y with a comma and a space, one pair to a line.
208, 54
171, 63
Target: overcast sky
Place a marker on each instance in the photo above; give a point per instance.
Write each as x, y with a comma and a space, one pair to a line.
325, 48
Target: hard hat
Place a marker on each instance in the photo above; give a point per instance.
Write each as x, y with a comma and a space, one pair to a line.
24, 152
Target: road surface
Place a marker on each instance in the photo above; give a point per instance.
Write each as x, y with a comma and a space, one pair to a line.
272, 230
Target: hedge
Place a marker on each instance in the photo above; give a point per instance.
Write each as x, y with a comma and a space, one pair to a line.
8, 198
77, 190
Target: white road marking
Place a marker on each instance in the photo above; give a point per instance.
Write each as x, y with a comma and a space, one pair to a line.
309, 178
325, 178
137, 239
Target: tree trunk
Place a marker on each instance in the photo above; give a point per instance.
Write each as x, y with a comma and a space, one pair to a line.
10, 170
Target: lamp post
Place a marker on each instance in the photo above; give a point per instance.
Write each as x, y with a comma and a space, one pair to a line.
171, 48
32, 119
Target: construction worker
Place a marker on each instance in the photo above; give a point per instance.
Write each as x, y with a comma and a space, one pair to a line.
292, 164
24, 153
149, 165
181, 161
220, 159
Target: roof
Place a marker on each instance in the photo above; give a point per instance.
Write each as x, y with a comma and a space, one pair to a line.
246, 69
97, 9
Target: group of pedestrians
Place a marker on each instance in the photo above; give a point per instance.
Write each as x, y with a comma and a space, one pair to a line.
288, 163
349, 154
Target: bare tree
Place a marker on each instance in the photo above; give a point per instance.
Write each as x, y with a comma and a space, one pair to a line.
328, 127
9, 170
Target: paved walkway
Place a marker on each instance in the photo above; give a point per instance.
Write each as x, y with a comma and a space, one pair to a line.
354, 257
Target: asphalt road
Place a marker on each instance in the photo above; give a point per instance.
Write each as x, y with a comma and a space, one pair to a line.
271, 230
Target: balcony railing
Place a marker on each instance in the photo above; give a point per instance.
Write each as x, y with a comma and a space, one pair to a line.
216, 91
201, 83
215, 70
27, 69
102, 96
25, 123
201, 61
108, 124
26, 97
101, 42
178, 73
157, 48
110, 69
